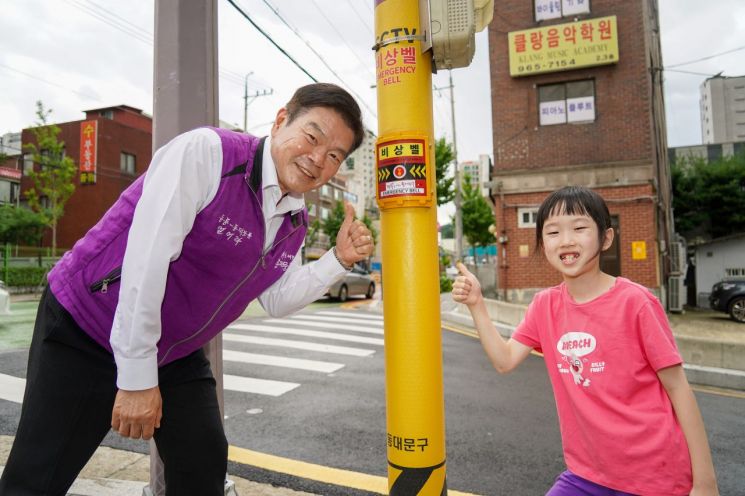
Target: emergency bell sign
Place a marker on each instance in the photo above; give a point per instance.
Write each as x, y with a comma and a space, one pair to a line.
402, 169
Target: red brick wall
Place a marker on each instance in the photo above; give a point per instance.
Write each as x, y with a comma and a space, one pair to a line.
89, 202
622, 129
636, 213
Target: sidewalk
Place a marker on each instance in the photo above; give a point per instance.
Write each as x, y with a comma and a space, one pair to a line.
114, 472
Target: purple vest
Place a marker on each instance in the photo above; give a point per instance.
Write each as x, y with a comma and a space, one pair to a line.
221, 269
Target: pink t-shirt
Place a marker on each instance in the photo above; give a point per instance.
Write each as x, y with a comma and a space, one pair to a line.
618, 427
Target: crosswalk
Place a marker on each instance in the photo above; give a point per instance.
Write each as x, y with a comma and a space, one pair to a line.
315, 343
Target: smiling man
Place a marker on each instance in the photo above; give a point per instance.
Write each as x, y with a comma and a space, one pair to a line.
217, 221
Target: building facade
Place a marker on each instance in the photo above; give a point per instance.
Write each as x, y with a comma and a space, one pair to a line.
112, 147
359, 172
722, 105
577, 100
478, 172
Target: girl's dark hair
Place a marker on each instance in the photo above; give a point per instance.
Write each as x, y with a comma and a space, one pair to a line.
573, 200
330, 96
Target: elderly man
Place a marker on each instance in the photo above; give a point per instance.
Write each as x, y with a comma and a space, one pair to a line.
217, 221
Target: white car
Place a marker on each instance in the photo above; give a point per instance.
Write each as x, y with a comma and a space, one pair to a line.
355, 282
451, 272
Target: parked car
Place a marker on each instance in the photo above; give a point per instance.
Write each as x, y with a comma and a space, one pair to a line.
729, 296
355, 282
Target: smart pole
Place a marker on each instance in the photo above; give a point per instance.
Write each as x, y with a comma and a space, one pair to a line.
406, 194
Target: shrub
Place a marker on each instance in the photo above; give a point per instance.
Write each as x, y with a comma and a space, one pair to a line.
446, 284
27, 276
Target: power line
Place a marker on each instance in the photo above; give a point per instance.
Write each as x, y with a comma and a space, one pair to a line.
320, 57
231, 2
690, 72
51, 83
362, 63
706, 58
364, 23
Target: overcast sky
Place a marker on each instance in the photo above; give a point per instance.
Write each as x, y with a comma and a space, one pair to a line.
81, 54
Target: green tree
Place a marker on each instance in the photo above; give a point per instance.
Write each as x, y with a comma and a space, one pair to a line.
333, 222
443, 157
53, 178
477, 216
709, 197
19, 225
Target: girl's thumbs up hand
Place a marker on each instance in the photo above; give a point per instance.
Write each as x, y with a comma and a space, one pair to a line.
466, 288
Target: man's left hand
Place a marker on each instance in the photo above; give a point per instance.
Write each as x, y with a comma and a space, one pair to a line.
354, 241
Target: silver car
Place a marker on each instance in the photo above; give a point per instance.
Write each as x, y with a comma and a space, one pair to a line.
355, 282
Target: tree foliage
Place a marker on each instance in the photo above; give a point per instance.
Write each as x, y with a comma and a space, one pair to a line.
477, 216
709, 197
333, 222
53, 173
443, 157
19, 225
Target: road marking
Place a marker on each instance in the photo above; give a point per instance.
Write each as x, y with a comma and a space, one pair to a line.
368, 316
300, 345
327, 325
312, 471
730, 393
280, 361
257, 386
311, 334
11, 388
349, 320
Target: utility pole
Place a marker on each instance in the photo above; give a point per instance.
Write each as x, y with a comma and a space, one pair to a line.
458, 212
185, 96
253, 97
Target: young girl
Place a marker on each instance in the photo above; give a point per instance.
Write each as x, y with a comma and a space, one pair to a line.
629, 421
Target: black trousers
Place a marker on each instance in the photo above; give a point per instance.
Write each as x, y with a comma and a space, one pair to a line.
66, 412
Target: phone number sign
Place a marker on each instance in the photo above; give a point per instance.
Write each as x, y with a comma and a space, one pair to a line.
402, 169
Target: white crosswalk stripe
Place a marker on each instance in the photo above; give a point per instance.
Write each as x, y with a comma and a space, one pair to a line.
302, 332
345, 320
325, 325
11, 388
256, 386
280, 361
367, 316
300, 345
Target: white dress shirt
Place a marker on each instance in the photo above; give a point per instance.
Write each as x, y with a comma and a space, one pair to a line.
182, 180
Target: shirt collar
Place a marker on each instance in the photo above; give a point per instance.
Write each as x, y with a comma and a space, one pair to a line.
270, 184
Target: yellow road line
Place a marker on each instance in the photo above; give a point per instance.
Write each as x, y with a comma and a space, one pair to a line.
312, 471
475, 334
730, 393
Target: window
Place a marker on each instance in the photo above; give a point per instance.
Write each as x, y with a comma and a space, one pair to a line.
106, 114
28, 163
555, 9
526, 217
127, 163
735, 272
312, 209
324, 213
563, 103
325, 191
6, 191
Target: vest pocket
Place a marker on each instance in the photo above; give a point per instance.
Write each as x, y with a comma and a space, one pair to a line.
103, 285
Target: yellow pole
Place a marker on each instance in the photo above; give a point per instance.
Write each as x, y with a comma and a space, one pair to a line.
406, 194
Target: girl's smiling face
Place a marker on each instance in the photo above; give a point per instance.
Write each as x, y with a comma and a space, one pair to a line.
571, 244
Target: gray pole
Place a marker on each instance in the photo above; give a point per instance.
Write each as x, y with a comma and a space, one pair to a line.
458, 213
184, 97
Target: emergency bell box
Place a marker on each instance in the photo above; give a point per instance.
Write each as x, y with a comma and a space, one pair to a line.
453, 28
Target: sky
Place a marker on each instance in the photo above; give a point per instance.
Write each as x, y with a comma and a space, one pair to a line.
75, 55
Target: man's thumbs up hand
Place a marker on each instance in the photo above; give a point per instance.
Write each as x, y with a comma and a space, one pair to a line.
354, 240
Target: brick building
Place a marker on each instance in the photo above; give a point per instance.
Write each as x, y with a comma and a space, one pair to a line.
121, 149
577, 100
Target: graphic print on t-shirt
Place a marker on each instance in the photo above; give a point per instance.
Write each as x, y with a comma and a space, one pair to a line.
574, 347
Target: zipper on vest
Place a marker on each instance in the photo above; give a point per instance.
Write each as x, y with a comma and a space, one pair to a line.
103, 284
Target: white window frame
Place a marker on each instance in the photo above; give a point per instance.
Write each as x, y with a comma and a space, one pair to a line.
127, 163
564, 106
533, 215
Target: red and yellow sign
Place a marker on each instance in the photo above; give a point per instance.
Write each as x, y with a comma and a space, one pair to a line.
88, 150
562, 47
402, 168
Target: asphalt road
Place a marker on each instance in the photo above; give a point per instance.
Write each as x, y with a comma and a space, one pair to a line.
502, 432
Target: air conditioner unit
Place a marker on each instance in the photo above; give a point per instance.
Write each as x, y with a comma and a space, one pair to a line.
676, 294
678, 261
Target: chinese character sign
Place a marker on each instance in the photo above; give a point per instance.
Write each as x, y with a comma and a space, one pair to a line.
88, 149
562, 47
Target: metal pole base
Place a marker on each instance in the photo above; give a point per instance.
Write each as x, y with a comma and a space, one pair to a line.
229, 489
